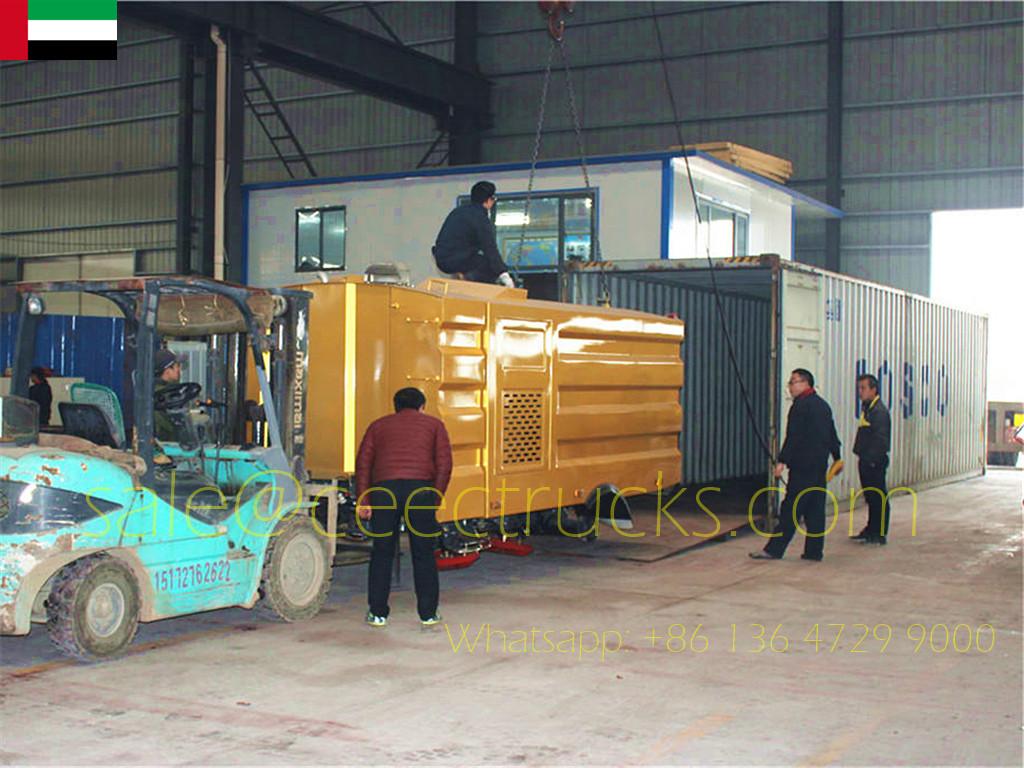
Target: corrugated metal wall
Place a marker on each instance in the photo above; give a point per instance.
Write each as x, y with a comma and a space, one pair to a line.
932, 98
87, 150
718, 442
932, 114
932, 121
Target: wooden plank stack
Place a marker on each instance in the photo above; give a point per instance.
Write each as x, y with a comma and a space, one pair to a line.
771, 167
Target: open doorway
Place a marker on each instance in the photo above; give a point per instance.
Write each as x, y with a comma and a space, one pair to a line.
976, 264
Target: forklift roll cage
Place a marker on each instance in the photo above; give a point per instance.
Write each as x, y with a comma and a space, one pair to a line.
281, 332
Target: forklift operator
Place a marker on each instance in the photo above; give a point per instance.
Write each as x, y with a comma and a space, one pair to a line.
167, 372
467, 243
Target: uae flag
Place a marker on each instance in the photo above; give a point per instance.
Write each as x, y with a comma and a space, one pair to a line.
58, 29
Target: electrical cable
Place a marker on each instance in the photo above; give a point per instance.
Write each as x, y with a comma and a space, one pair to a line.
730, 346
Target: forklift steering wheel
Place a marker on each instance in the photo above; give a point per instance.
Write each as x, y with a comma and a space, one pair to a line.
175, 396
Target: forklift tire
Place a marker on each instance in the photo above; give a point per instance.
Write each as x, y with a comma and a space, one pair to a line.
92, 611
296, 571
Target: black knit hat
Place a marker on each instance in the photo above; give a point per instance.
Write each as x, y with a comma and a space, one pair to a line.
164, 360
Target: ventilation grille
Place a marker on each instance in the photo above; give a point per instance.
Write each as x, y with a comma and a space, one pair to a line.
522, 427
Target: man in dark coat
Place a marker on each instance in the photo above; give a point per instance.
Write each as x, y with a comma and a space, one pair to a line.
810, 439
467, 244
872, 449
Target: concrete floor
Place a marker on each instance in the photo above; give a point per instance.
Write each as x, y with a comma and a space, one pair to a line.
230, 687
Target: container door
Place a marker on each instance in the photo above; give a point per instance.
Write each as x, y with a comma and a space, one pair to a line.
801, 329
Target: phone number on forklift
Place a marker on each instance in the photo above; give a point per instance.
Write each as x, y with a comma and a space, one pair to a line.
192, 576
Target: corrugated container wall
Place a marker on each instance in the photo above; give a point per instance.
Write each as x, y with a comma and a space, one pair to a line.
718, 442
930, 361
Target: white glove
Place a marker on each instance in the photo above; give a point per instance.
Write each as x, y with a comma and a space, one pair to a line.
506, 279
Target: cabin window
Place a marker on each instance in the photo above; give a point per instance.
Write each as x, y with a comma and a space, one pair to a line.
559, 227
723, 229
320, 239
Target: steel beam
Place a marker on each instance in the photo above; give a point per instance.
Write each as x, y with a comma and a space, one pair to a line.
209, 154
464, 144
186, 116
239, 47
834, 134
315, 45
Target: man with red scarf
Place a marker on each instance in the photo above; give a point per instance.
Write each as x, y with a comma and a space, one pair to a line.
810, 439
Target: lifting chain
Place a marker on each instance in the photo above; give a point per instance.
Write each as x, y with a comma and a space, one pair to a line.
553, 10
518, 255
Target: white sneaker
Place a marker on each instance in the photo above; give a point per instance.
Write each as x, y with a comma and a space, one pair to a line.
435, 619
376, 621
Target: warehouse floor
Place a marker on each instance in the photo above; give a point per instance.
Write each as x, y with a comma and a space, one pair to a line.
230, 687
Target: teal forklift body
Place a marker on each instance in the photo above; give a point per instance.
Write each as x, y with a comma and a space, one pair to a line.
191, 546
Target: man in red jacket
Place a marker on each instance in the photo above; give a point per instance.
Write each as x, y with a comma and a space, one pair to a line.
402, 471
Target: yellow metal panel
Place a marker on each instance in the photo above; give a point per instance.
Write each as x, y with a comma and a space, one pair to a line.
349, 422
543, 401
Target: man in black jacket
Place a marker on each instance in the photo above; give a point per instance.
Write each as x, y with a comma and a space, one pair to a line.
40, 391
467, 243
810, 439
872, 448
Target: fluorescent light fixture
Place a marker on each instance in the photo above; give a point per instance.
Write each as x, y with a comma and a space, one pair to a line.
511, 219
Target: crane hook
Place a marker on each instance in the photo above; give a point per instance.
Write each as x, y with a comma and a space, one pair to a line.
554, 9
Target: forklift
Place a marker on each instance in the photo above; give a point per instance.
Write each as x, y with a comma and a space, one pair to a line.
103, 525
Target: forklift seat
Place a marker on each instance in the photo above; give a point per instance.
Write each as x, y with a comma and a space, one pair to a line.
87, 421
108, 402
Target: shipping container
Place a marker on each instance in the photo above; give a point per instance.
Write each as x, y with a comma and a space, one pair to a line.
544, 402
930, 361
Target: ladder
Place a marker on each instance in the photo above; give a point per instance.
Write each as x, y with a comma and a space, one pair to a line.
275, 126
437, 154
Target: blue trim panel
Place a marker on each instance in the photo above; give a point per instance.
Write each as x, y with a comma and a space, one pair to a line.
667, 202
467, 170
